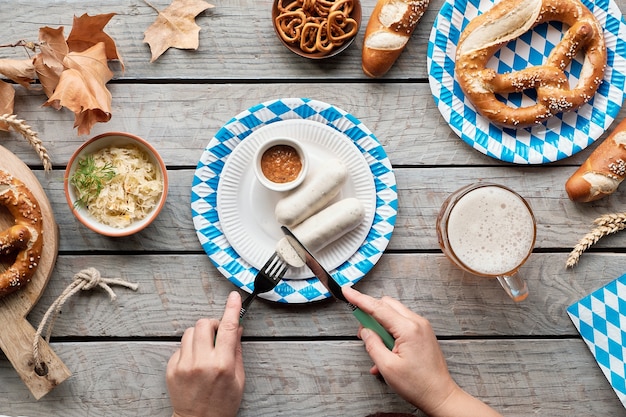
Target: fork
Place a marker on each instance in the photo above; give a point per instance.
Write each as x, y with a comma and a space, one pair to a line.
266, 279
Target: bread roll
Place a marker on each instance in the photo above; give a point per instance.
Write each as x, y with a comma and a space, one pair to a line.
388, 30
603, 171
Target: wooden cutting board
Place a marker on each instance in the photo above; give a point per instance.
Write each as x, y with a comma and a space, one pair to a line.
16, 333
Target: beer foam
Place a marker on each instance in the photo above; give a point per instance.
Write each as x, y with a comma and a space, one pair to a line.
491, 231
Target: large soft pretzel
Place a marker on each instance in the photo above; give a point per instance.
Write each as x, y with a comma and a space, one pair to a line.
508, 20
22, 241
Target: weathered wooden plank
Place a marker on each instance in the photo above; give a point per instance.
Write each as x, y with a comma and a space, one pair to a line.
237, 41
180, 120
560, 222
175, 290
556, 378
402, 116
254, 43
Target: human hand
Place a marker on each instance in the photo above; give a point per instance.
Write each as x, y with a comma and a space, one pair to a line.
415, 368
205, 377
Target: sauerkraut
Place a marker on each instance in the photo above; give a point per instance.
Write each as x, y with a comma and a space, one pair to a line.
130, 193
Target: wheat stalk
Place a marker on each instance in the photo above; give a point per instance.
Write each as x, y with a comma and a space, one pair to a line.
605, 225
30, 135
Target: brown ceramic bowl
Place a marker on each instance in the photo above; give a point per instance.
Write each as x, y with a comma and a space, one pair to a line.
95, 144
295, 47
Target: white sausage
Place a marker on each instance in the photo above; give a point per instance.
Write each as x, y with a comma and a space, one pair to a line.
323, 228
318, 188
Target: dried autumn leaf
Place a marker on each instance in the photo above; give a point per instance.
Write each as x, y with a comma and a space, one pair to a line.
49, 62
7, 99
175, 27
88, 31
53, 46
21, 71
82, 88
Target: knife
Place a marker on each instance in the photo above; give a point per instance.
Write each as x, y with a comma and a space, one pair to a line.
335, 289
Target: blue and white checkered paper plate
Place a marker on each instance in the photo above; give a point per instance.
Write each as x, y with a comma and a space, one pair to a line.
600, 319
561, 136
205, 184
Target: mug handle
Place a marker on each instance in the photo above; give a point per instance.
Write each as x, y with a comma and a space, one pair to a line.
515, 286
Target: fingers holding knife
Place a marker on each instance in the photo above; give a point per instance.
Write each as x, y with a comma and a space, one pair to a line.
383, 311
392, 315
395, 306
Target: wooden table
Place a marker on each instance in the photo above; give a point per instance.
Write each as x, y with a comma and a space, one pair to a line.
301, 360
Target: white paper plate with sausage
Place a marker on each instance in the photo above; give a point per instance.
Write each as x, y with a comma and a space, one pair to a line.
233, 248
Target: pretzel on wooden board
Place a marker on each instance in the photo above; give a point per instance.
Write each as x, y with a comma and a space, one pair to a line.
23, 240
508, 20
603, 171
388, 30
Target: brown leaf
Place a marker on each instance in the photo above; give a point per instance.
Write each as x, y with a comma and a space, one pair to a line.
82, 88
53, 46
175, 27
88, 31
7, 99
49, 62
22, 71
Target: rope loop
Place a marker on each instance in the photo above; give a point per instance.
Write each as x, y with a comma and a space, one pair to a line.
87, 279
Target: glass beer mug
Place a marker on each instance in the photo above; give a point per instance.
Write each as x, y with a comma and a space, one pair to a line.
488, 230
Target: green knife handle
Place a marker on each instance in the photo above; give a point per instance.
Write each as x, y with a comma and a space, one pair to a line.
370, 322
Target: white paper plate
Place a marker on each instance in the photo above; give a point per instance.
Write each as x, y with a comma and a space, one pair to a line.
234, 133
246, 208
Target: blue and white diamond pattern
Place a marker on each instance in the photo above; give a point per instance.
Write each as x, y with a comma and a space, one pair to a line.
211, 163
560, 137
600, 319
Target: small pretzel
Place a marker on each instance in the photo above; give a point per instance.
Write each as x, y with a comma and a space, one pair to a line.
344, 5
308, 37
508, 20
291, 24
23, 241
337, 25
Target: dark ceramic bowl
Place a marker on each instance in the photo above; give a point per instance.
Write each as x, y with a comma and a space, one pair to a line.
356, 14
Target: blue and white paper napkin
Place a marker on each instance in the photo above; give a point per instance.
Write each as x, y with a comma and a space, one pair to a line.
600, 318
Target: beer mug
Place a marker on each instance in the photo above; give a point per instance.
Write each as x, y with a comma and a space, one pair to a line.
488, 230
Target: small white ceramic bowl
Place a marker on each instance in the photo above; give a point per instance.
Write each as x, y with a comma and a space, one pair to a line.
280, 186
93, 145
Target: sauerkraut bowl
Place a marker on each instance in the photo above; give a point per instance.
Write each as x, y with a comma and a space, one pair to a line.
116, 184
